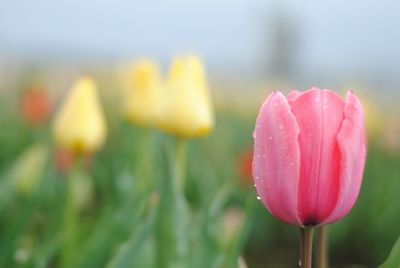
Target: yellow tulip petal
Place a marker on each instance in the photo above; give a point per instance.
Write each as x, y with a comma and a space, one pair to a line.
142, 101
80, 124
187, 110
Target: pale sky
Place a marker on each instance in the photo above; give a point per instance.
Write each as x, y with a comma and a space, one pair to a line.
334, 36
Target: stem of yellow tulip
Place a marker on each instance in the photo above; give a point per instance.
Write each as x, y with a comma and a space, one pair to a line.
171, 226
180, 163
144, 160
322, 249
306, 240
71, 217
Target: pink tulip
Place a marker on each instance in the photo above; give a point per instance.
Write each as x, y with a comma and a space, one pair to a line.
309, 155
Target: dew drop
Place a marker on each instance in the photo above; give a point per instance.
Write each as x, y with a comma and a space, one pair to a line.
258, 198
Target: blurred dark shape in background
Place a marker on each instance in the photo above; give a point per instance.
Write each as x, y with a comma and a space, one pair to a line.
283, 47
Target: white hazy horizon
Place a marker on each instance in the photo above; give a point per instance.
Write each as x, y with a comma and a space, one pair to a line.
337, 37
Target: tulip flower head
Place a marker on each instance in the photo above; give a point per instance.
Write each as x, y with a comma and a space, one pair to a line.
144, 94
309, 155
80, 126
36, 105
27, 170
245, 166
187, 110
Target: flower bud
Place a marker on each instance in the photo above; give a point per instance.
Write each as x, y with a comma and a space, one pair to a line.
309, 155
80, 124
144, 93
28, 168
187, 110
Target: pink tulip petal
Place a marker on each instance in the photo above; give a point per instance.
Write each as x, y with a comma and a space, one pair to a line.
319, 115
351, 140
293, 95
276, 158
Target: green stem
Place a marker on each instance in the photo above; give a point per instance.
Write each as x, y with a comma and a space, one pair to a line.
306, 247
322, 249
143, 167
171, 230
180, 164
71, 216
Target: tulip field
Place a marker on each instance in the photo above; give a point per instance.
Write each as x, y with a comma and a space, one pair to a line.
149, 168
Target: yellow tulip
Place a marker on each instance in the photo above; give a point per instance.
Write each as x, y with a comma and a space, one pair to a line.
80, 124
143, 98
187, 110
27, 170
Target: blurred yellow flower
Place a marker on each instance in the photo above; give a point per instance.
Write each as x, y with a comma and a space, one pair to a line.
187, 109
80, 124
27, 170
143, 95
375, 118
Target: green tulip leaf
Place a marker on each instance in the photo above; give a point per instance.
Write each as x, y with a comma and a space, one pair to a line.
393, 261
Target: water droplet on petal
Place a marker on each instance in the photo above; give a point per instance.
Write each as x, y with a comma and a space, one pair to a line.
258, 198
270, 138
292, 164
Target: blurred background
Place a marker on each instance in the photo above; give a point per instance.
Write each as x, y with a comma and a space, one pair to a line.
248, 49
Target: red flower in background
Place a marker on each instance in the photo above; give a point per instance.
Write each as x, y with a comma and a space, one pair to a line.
36, 105
65, 160
245, 166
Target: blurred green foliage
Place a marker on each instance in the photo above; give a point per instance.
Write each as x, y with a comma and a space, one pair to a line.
118, 224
